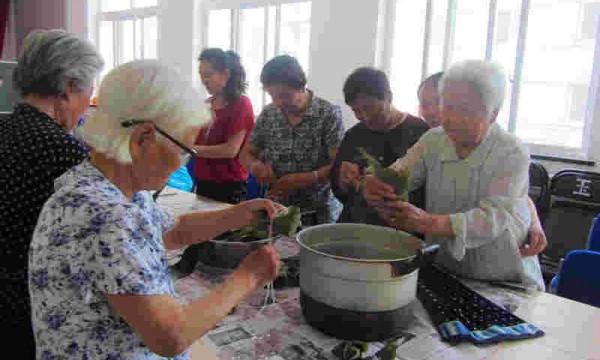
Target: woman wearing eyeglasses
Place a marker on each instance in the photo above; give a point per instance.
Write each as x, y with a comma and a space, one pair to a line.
217, 168
99, 281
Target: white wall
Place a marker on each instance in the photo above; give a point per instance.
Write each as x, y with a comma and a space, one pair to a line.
343, 34
176, 35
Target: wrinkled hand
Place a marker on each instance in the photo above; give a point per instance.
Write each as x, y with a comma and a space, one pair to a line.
537, 242
375, 191
283, 187
349, 173
250, 209
404, 216
263, 172
262, 265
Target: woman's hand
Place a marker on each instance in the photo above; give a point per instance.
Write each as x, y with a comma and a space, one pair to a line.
349, 174
263, 172
376, 192
283, 186
262, 265
404, 216
249, 210
537, 241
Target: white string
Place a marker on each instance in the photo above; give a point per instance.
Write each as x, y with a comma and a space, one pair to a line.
270, 290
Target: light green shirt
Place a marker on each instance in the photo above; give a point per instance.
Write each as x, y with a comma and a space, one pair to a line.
486, 197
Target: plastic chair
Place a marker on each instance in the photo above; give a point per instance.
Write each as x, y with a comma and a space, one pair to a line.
579, 278
593, 244
594, 237
181, 179
190, 169
254, 189
539, 186
574, 203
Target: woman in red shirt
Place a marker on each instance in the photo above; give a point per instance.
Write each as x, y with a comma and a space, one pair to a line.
217, 169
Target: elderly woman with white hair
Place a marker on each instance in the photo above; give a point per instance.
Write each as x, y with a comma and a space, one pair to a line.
54, 75
476, 182
99, 281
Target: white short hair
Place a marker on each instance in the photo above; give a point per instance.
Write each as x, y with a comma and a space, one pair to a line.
144, 90
486, 77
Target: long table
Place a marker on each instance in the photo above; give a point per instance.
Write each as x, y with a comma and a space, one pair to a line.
278, 331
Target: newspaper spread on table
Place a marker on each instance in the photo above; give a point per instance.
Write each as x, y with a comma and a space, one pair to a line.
278, 331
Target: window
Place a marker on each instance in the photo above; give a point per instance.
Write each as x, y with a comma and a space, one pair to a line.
123, 30
545, 46
257, 32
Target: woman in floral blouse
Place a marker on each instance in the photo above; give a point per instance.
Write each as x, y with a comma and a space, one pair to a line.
98, 278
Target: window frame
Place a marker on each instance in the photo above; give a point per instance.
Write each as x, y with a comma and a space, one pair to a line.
235, 7
97, 16
385, 51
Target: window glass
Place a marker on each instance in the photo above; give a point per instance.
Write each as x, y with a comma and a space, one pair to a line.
251, 51
556, 64
219, 29
408, 54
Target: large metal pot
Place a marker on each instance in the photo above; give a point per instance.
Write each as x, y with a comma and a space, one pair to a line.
356, 278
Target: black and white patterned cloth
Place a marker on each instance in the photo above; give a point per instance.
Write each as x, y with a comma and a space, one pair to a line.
301, 148
34, 151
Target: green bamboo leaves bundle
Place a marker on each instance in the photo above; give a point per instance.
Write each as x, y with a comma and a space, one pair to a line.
285, 223
399, 180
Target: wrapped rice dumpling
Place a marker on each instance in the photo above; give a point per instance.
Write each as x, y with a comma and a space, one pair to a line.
399, 180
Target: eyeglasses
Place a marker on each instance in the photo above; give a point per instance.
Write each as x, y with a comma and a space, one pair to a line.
131, 122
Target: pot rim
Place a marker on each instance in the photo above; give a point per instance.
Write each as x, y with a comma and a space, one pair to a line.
369, 261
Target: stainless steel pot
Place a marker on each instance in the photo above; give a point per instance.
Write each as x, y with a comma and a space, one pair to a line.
358, 267
356, 279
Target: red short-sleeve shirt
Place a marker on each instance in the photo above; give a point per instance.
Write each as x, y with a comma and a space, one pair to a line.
230, 120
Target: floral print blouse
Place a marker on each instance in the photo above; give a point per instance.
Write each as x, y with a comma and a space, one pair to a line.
90, 240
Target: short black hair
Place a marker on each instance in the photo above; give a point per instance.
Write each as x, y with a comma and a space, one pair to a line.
366, 81
434, 79
283, 70
227, 60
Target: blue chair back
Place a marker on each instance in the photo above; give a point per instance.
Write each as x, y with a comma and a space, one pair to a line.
579, 277
254, 189
181, 179
594, 237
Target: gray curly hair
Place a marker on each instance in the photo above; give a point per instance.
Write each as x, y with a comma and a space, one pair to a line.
50, 57
486, 77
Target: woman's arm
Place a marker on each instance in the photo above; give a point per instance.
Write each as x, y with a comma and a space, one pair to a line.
537, 236
331, 137
168, 328
226, 150
213, 223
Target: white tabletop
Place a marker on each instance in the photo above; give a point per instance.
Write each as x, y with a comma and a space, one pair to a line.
572, 329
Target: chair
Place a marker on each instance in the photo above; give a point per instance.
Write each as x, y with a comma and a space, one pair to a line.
579, 278
594, 237
181, 179
593, 244
254, 189
539, 184
574, 203
190, 169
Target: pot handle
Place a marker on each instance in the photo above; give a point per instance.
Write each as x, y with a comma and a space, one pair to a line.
423, 256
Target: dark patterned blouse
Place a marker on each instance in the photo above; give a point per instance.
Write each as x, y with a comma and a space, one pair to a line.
301, 148
34, 151
387, 146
